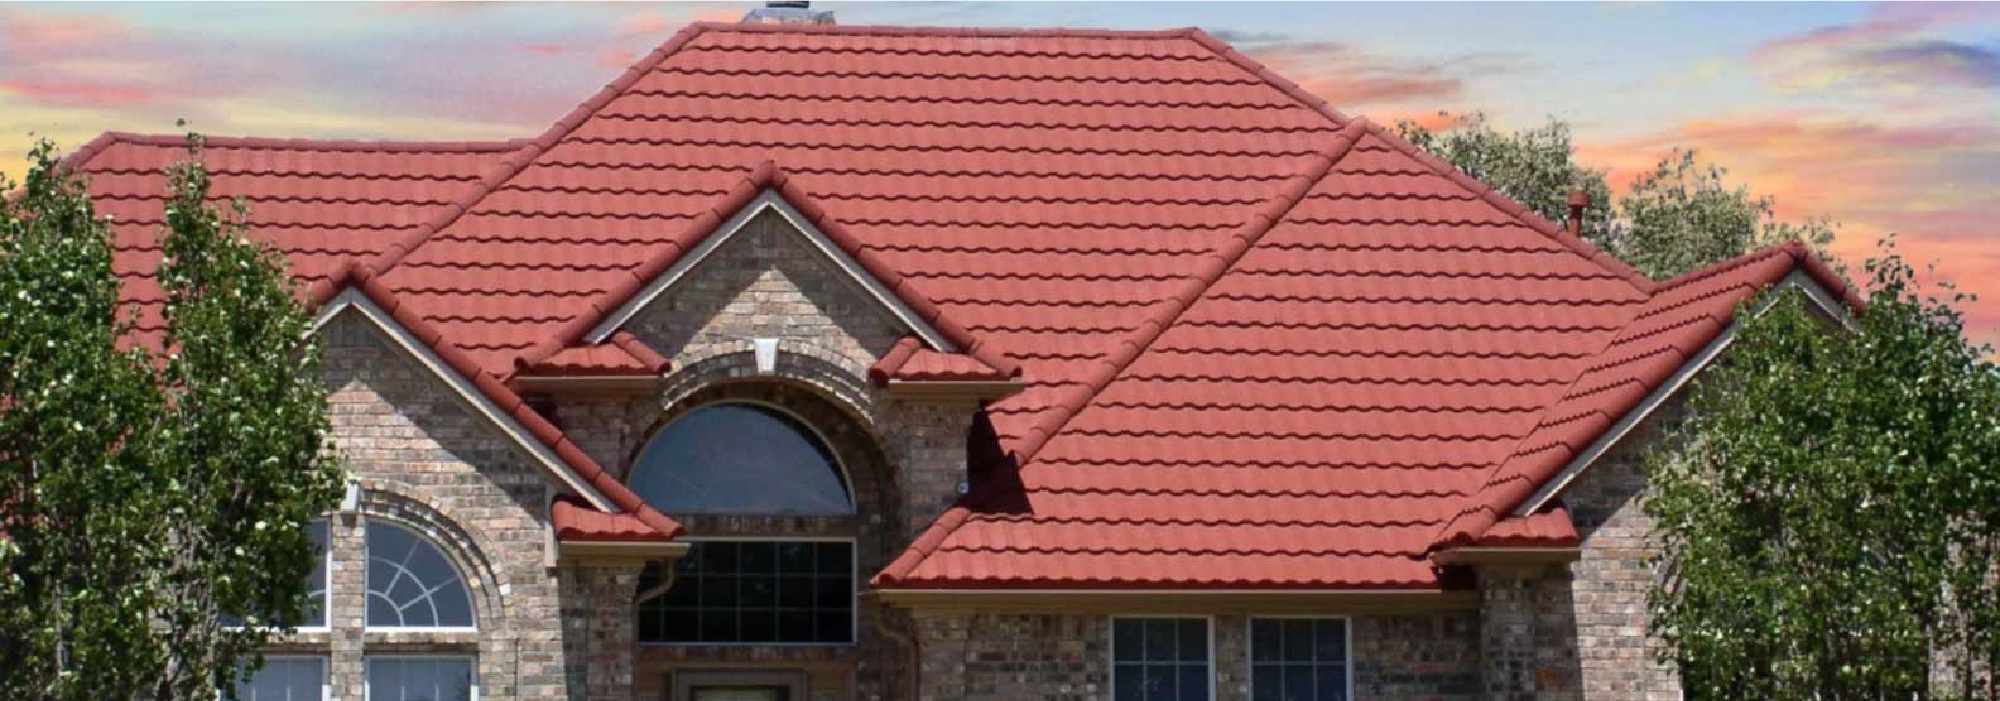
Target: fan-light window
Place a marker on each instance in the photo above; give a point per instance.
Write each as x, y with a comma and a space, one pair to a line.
411, 584
737, 458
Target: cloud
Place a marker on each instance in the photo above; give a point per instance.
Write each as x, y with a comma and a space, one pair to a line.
544, 49
75, 94
1929, 182
1350, 78
1893, 52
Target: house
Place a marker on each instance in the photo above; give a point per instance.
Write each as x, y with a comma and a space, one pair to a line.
813, 362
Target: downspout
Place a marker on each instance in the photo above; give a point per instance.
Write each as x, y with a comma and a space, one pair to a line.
909, 642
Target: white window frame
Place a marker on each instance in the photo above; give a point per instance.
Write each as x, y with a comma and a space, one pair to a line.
1250, 644
368, 662
325, 672
1111, 648
853, 587
464, 580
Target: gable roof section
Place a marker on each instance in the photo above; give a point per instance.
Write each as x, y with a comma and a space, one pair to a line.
1680, 328
358, 287
1333, 386
1049, 189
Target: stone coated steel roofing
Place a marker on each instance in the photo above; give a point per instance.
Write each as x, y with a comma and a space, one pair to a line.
1265, 345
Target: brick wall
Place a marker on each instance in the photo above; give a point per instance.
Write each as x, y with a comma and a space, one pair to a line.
1603, 595
429, 464
969, 656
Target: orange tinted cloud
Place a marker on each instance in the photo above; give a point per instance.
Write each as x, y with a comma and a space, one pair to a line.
75, 94
1929, 183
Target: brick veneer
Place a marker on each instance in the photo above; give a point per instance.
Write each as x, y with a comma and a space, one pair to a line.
428, 464
1066, 657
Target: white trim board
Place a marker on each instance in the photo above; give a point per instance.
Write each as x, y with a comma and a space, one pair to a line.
352, 299
769, 200
1827, 303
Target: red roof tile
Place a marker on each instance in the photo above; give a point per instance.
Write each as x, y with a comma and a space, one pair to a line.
1547, 529
578, 522
623, 355
1265, 345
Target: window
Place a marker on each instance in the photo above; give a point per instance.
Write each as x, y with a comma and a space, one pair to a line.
1298, 659
284, 679
421, 679
740, 459
411, 584
1160, 659
747, 592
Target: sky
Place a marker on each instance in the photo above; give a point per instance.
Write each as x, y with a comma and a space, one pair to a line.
1882, 117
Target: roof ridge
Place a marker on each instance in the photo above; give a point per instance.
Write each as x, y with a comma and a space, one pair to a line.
1258, 70
901, 30
324, 144
766, 175
1148, 330
1802, 260
1507, 205
513, 165
1134, 344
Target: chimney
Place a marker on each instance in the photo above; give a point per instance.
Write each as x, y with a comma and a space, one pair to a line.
788, 12
1578, 201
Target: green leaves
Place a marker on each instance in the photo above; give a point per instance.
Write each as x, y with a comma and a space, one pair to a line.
1678, 217
1826, 513
132, 482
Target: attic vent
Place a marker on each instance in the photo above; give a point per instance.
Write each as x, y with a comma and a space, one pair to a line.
788, 12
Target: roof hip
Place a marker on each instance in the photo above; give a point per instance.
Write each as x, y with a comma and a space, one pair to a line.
1138, 340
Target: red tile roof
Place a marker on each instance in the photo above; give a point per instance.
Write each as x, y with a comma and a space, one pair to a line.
622, 355
321, 203
910, 361
578, 522
1547, 529
1266, 345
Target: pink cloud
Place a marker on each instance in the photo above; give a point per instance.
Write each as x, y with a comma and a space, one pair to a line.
544, 49
76, 94
1894, 50
1929, 183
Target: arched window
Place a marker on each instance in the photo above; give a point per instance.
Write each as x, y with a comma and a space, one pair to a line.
737, 458
411, 584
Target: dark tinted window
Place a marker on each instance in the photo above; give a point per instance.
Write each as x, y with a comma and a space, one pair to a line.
1298, 659
754, 592
739, 459
1160, 659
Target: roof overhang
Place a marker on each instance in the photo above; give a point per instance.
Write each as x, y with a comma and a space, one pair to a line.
604, 552
352, 299
1210, 601
1506, 556
769, 200
953, 390
589, 385
1823, 299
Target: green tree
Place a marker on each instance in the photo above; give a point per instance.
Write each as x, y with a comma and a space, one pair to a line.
1678, 217
1536, 167
1828, 513
149, 497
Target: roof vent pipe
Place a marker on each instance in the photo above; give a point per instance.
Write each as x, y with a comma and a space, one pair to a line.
788, 12
1578, 201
